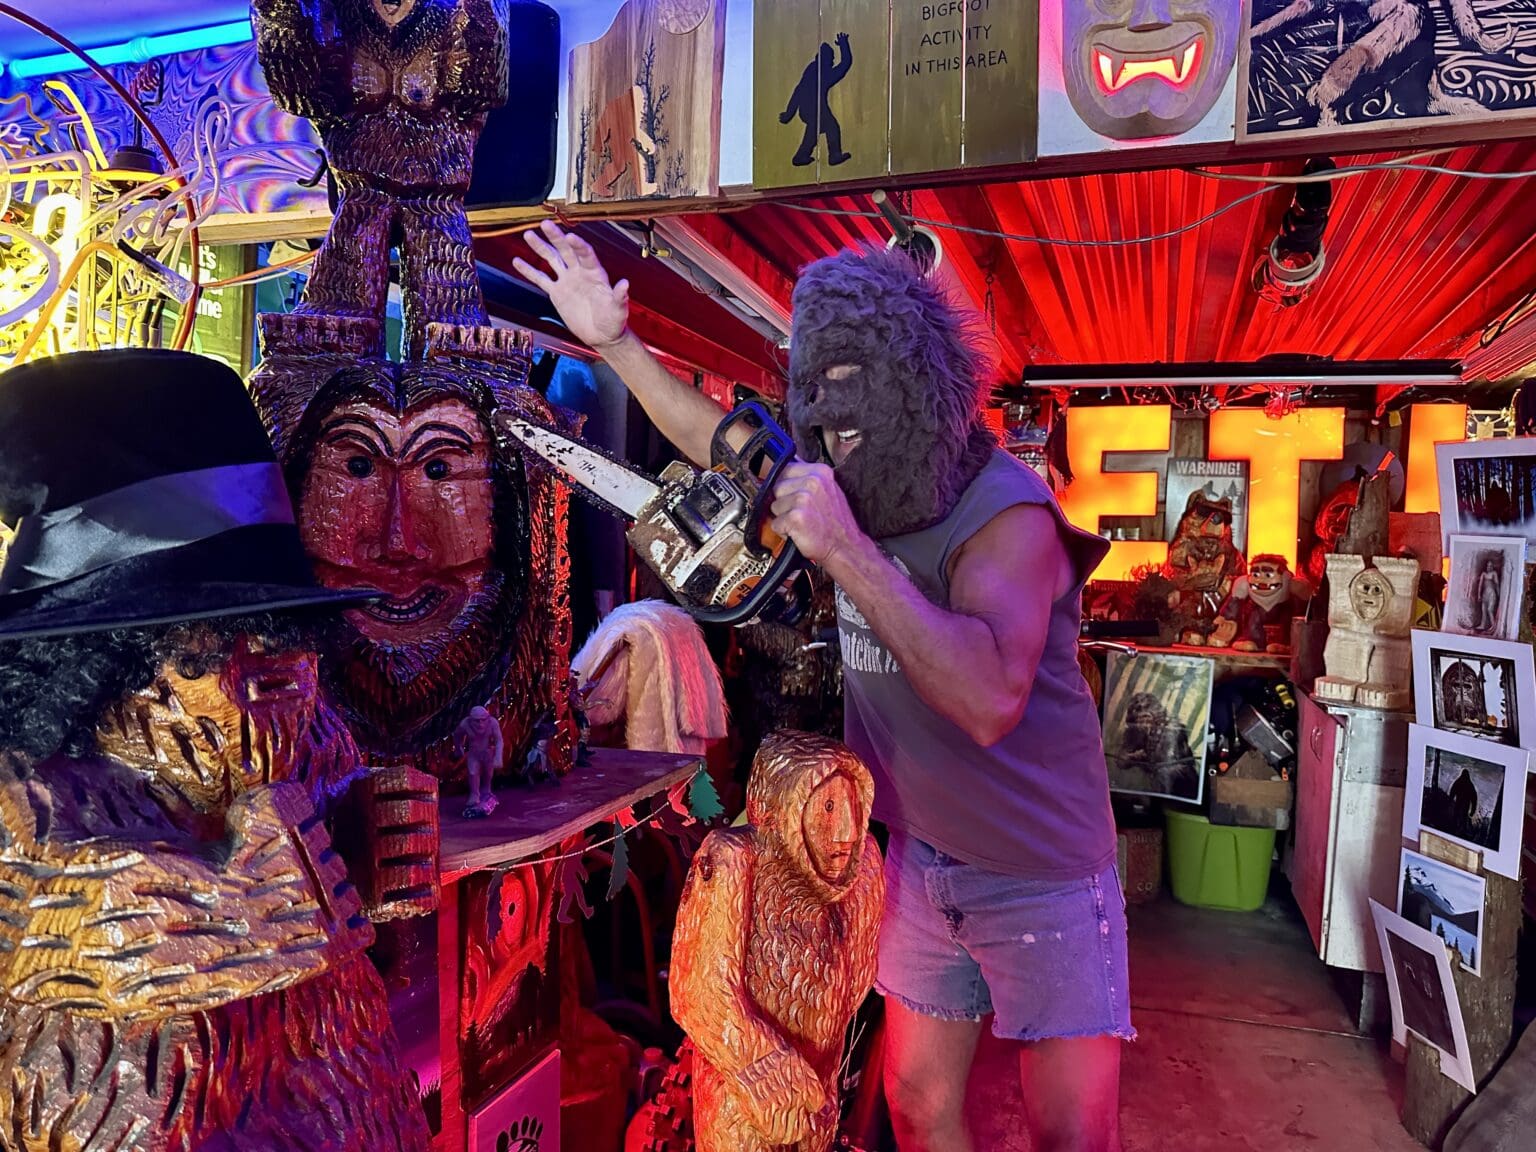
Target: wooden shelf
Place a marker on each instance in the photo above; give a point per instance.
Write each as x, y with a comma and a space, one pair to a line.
532, 819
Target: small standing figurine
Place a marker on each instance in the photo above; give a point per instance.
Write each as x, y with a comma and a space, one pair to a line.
478, 740
775, 949
1370, 613
536, 766
578, 700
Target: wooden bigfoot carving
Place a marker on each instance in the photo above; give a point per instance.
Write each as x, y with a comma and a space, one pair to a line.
184, 958
399, 90
1370, 613
775, 949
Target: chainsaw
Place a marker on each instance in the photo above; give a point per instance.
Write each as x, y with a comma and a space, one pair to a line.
705, 534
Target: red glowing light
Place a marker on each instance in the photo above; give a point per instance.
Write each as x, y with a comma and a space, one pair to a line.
1115, 70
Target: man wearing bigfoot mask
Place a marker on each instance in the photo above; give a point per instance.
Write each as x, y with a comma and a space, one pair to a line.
959, 602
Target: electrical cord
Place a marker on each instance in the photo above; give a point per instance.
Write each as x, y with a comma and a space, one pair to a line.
1267, 184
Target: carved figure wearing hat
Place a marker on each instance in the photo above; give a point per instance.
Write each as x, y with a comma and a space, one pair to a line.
182, 956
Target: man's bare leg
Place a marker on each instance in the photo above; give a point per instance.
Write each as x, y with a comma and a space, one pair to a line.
1072, 1094
927, 1065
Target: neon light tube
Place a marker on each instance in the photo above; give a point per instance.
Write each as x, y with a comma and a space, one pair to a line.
135, 51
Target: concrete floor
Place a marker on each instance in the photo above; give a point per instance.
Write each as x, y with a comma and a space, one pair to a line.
1244, 1046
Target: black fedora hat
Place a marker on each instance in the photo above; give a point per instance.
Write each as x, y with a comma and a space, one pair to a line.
138, 487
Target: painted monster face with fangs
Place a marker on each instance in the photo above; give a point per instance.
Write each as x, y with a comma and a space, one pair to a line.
1137, 69
885, 386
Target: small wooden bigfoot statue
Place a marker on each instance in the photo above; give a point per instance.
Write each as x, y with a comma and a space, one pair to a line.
478, 740
775, 949
1370, 613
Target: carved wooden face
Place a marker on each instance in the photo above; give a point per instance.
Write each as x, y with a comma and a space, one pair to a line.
1370, 594
236, 723
832, 826
401, 503
1136, 69
405, 501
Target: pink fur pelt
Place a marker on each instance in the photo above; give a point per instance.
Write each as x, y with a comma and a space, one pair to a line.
647, 664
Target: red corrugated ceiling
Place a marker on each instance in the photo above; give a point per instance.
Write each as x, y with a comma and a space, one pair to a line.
1417, 263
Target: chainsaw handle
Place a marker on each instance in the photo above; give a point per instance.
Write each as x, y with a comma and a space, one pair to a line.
766, 441
788, 562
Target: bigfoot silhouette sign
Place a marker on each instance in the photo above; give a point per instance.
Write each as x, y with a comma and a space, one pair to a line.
808, 104
1341, 64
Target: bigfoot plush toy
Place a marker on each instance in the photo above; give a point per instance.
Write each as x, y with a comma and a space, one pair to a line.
182, 959
775, 949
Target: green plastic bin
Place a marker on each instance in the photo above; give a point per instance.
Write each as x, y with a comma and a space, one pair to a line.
1213, 866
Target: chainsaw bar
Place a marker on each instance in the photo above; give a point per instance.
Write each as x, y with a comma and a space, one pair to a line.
509, 439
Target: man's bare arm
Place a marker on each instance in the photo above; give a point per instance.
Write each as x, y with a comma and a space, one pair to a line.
973, 661
597, 313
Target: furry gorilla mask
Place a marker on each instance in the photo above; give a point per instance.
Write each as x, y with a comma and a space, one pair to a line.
913, 408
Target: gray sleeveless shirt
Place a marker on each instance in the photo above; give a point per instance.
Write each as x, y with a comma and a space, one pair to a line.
1034, 805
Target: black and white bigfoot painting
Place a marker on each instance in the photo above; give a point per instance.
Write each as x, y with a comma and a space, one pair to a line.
1338, 64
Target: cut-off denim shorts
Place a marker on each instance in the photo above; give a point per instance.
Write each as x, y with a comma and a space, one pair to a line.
960, 942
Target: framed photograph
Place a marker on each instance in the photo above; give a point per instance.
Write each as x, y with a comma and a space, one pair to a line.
1447, 902
1423, 992
1488, 487
1156, 710
1477, 687
1487, 586
1471, 792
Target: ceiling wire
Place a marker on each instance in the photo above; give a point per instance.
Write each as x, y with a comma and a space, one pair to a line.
1267, 184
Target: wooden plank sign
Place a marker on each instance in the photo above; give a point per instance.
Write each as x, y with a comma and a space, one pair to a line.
928, 88
645, 104
1001, 83
852, 89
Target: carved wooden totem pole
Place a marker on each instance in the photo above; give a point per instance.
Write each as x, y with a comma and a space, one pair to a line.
401, 484
775, 949
183, 961
1368, 657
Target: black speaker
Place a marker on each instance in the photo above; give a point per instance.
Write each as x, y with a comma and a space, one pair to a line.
515, 159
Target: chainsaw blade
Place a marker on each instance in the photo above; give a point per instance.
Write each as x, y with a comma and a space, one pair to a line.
610, 484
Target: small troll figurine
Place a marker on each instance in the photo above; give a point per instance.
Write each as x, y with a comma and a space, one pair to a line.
478, 740
775, 949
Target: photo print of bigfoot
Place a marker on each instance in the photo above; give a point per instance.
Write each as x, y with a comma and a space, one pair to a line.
1468, 791
1488, 486
1463, 797
1156, 710
1475, 687
1343, 64
1418, 982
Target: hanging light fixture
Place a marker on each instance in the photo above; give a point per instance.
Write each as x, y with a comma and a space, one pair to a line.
918, 242
1296, 257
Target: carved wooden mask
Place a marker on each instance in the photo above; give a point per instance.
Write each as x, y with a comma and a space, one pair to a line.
1130, 77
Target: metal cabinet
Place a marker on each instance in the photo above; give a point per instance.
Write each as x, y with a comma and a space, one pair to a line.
1349, 819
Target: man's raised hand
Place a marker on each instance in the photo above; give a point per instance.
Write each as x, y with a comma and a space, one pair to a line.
596, 311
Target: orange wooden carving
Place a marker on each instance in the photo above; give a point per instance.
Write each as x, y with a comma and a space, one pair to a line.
775, 949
